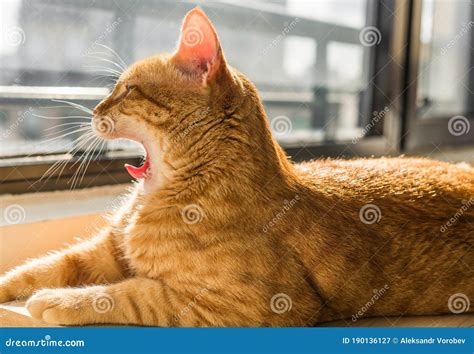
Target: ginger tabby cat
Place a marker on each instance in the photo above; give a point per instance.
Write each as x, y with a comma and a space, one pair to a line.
223, 230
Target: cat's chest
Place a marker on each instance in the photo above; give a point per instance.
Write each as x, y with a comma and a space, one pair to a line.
161, 254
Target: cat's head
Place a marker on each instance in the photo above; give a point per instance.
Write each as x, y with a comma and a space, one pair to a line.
177, 105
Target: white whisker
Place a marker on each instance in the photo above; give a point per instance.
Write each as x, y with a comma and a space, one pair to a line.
76, 105
104, 69
102, 78
88, 146
84, 149
68, 106
116, 54
93, 157
57, 166
109, 61
106, 57
83, 161
65, 124
60, 118
67, 130
62, 136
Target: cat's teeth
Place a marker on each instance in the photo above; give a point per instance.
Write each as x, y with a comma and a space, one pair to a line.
147, 172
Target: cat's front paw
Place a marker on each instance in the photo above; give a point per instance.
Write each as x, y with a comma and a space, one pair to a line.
70, 306
56, 306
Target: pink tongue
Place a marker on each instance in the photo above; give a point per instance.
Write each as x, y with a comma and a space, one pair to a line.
138, 172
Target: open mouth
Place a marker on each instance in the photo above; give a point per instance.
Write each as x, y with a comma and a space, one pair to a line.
140, 172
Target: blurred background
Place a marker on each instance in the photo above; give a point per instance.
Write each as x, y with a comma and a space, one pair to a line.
338, 77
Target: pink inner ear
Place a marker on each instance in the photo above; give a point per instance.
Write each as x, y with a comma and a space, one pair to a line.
198, 45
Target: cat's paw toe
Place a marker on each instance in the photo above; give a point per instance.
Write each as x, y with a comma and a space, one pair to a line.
55, 306
41, 301
58, 316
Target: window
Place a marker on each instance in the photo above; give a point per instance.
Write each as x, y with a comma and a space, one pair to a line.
445, 81
441, 84
331, 74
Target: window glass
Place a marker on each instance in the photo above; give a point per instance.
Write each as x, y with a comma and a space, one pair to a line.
306, 58
445, 72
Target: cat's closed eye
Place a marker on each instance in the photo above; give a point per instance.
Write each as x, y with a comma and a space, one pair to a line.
130, 87
125, 93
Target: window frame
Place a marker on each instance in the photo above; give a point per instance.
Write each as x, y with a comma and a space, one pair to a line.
429, 132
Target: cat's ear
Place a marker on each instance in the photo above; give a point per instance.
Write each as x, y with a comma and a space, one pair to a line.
199, 52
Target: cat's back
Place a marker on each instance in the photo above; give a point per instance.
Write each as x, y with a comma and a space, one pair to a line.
430, 186
402, 223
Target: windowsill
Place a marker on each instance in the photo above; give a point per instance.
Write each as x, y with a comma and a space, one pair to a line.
454, 154
46, 221
41, 206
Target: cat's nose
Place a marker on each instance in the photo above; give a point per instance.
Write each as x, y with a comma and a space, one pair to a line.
96, 109
106, 103
100, 108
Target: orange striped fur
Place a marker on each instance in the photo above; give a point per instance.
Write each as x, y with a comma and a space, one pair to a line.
229, 232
